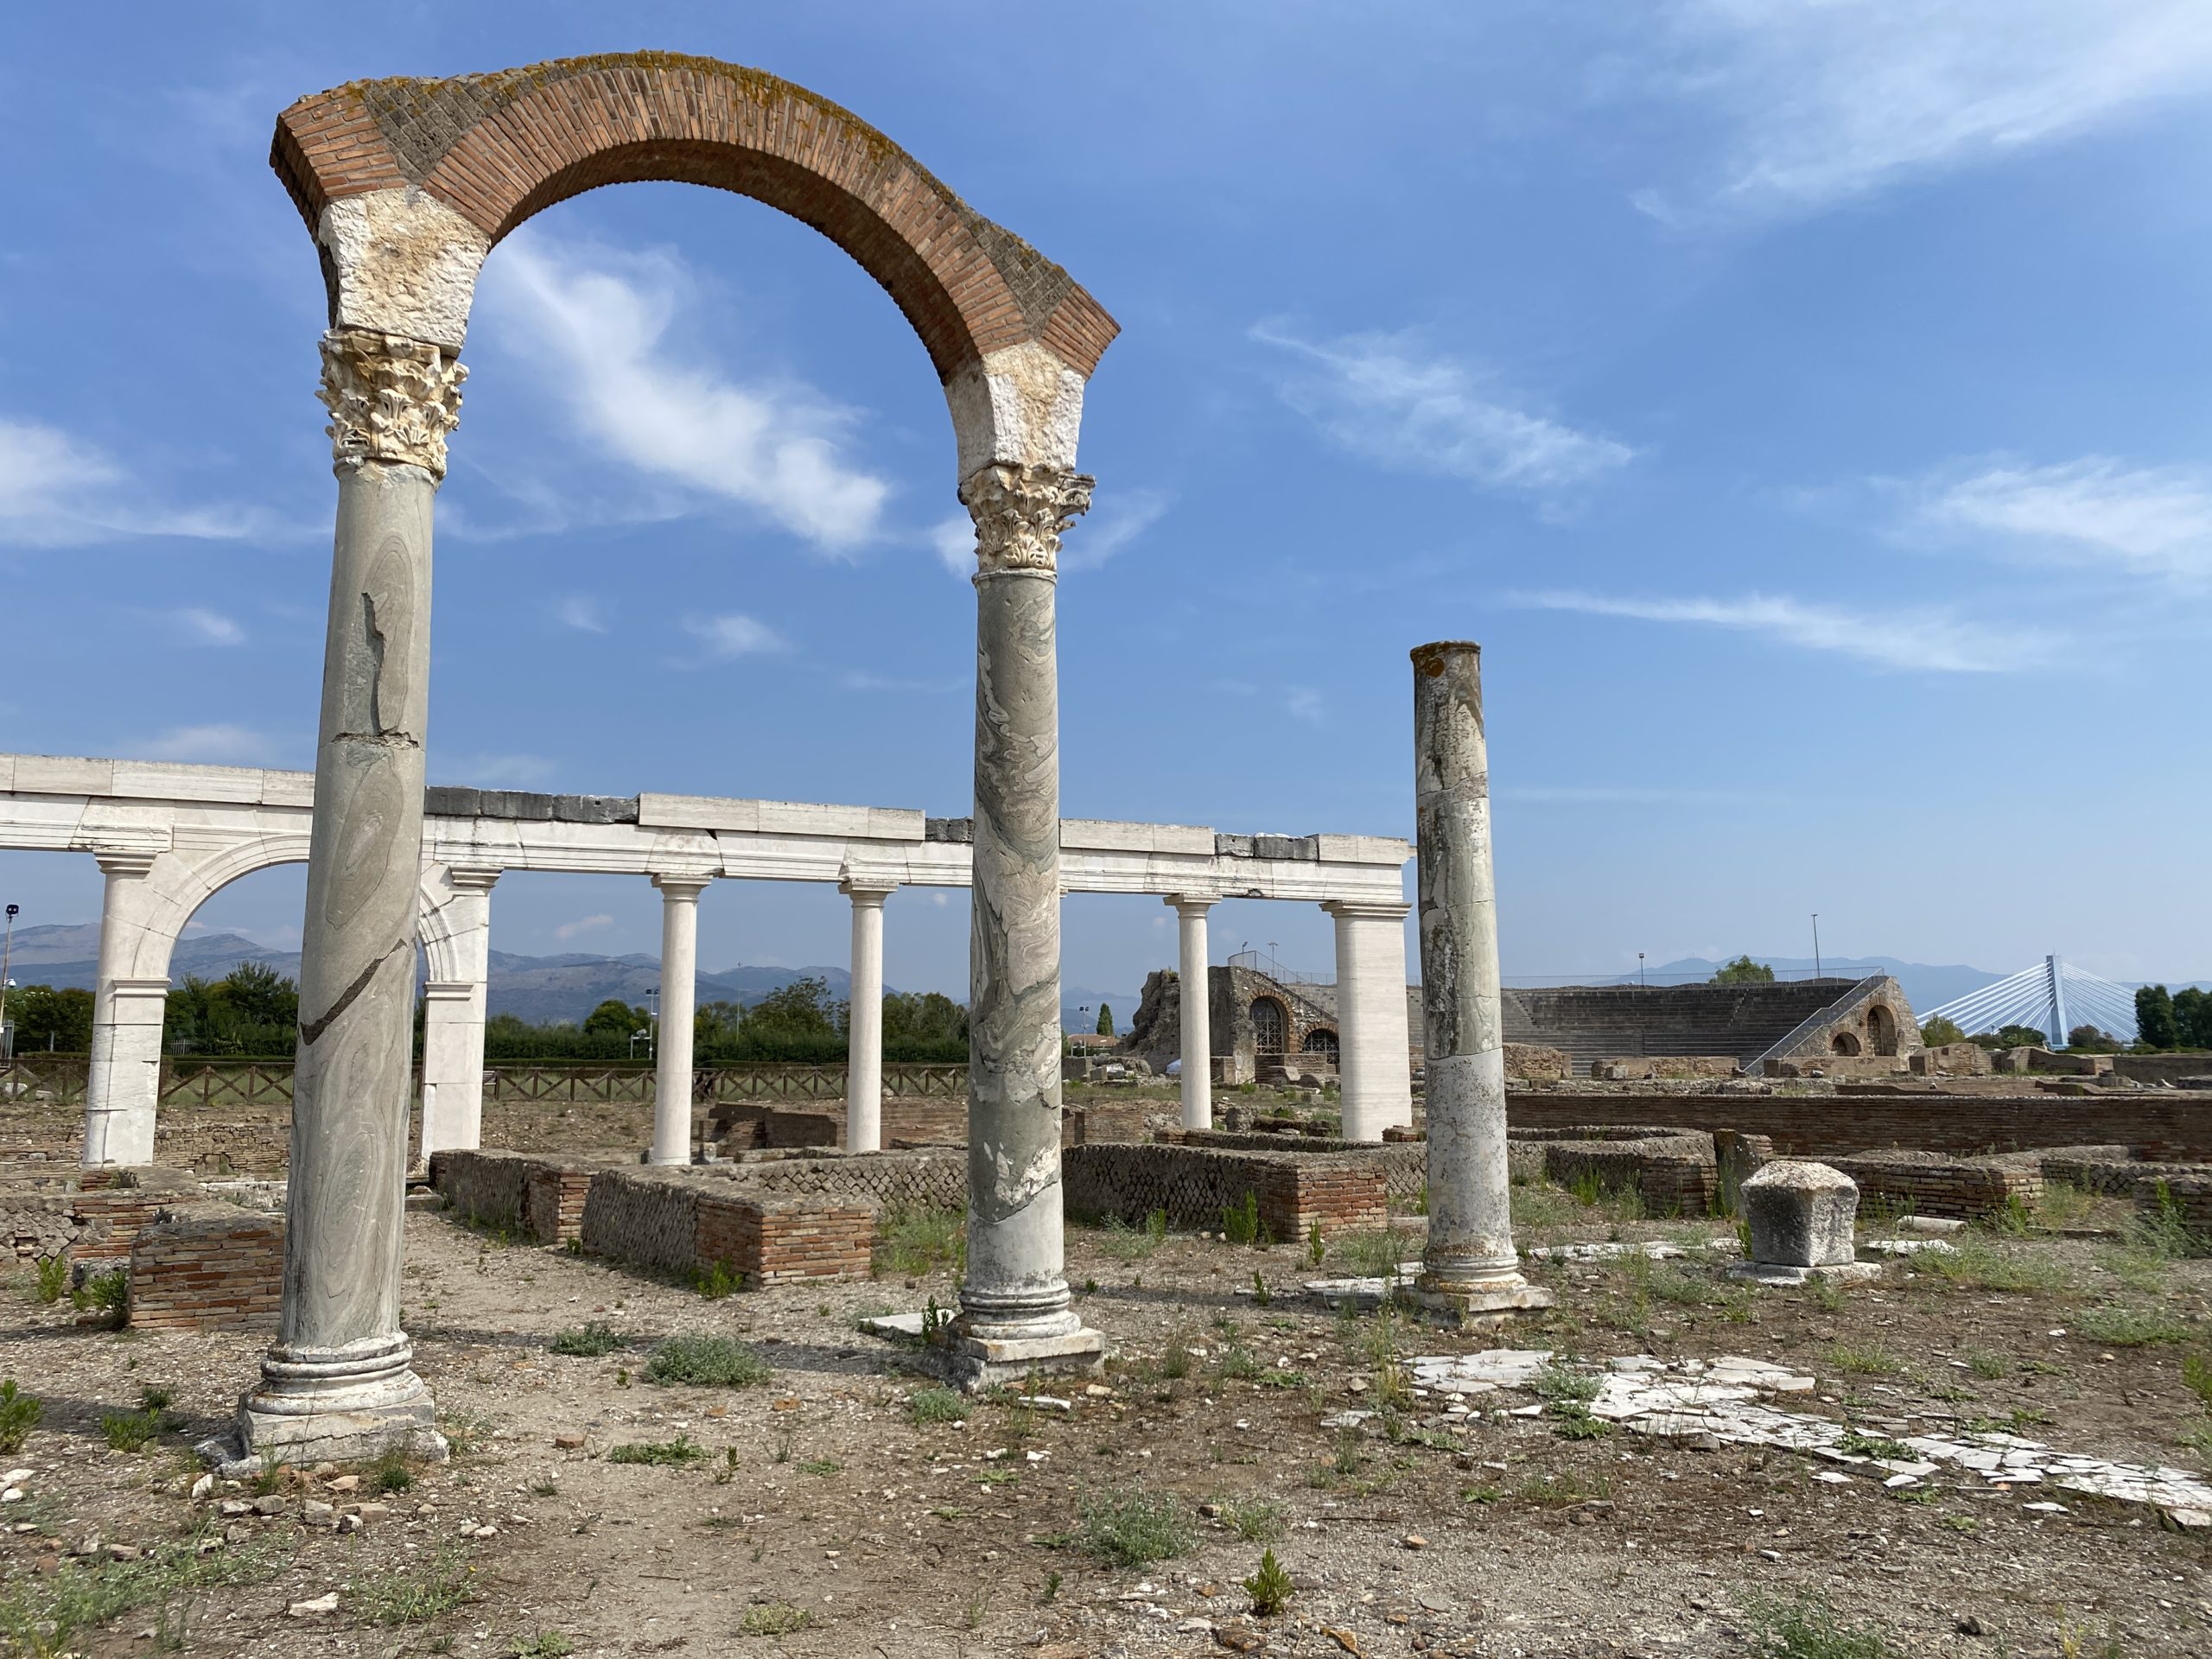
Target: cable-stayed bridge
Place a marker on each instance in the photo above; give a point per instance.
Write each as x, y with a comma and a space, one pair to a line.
2054, 997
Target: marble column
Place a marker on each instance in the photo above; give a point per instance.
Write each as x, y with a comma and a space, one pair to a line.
123, 1088
1194, 1012
453, 1022
340, 1381
679, 990
1373, 1059
1470, 1266
1015, 1310
864, 1032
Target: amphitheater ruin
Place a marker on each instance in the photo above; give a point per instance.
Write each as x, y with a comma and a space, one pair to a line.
1586, 1320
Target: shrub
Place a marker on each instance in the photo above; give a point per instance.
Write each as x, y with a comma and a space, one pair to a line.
773, 1618
128, 1431
1255, 1520
1134, 1527
1240, 1222
105, 1293
2197, 1376
53, 1278
591, 1341
707, 1362
391, 1472
717, 1279
19, 1415
1270, 1588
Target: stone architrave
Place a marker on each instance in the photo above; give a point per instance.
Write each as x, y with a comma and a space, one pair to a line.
1470, 1269
340, 1383
1015, 1311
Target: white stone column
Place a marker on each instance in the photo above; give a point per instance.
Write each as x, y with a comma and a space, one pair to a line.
1015, 1310
864, 1030
340, 1381
1470, 1266
1194, 1010
453, 1021
123, 1088
1373, 1059
679, 987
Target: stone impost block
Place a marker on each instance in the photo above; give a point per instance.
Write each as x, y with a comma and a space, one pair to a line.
1801, 1214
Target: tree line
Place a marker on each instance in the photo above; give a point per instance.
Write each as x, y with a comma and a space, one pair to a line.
2180, 1019
253, 1012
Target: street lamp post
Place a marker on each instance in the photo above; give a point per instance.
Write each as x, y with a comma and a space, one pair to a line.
1816, 945
1641, 983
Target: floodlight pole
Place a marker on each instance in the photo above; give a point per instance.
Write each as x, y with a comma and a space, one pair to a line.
1816, 945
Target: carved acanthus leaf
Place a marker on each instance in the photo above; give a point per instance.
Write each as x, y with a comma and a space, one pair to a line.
391, 399
1019, 512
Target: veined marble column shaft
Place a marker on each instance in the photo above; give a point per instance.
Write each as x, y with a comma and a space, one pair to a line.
1193, 1011
340, 1383
452, 1024
1373, 1059
1015, 1289
122, 1087
679, 987
864, 1028
1470, 1252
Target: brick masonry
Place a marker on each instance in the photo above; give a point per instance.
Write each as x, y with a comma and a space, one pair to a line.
1340, 1192
1930, 1184
1674, 1170
206, 1266
1832, 1126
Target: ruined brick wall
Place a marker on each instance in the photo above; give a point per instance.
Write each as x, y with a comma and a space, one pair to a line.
786, 1241
1120, 1121
647, 1218
553, 1201
2155, 1125
1932, 1185
206, 1266
1674, 1171
487, 1187
2190, 1194
1404, 1163
1341, 1192
2156, 1069
890, 1180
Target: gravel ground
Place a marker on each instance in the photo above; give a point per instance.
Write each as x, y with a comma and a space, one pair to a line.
824, 1518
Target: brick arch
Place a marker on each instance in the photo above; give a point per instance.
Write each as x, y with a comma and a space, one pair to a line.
498, 147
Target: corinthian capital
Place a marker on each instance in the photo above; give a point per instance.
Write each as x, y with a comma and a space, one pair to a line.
1019, 512
390, 398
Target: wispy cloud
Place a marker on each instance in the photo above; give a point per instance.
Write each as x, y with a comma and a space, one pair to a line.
207, 627
953, 541
1303, 702
220, 743
1822, 102
583, 613
2154, 523
860, 680
733, 635
1382, 398
582, 924
597, 323
1926, 640
1119, 519
58, 490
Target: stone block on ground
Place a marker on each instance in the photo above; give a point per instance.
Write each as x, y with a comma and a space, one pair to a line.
1801, 1214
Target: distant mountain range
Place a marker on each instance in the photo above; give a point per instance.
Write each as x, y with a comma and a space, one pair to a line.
540, 990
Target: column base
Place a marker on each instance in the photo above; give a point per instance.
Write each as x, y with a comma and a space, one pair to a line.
344, 1406
1475, 1307
971, 1363
1836, 1273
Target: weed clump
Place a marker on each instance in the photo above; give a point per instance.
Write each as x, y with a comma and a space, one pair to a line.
1270, 1588
934, 1405
592, 1340
1131, 1527
673, 1454
19, 1415
707, 1362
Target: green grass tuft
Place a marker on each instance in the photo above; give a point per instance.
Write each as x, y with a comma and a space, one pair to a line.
1131, 1527
592, 1340
707, 1362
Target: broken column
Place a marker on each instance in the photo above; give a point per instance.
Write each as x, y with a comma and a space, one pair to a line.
1471, 1268
340, 1383
1015, 1311
1802, 1216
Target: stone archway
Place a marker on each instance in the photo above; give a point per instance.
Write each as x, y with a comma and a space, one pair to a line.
1322, 1041
1881, 1029
1845, 1042
406, 184
1270, 1026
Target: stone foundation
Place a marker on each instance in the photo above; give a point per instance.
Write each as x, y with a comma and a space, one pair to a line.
206, 1266
1932, 1185
1338, 1192
90, 1215
1674, 1170
538, 1196
1404, 1162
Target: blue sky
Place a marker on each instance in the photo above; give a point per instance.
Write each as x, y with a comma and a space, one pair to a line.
1804, 406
